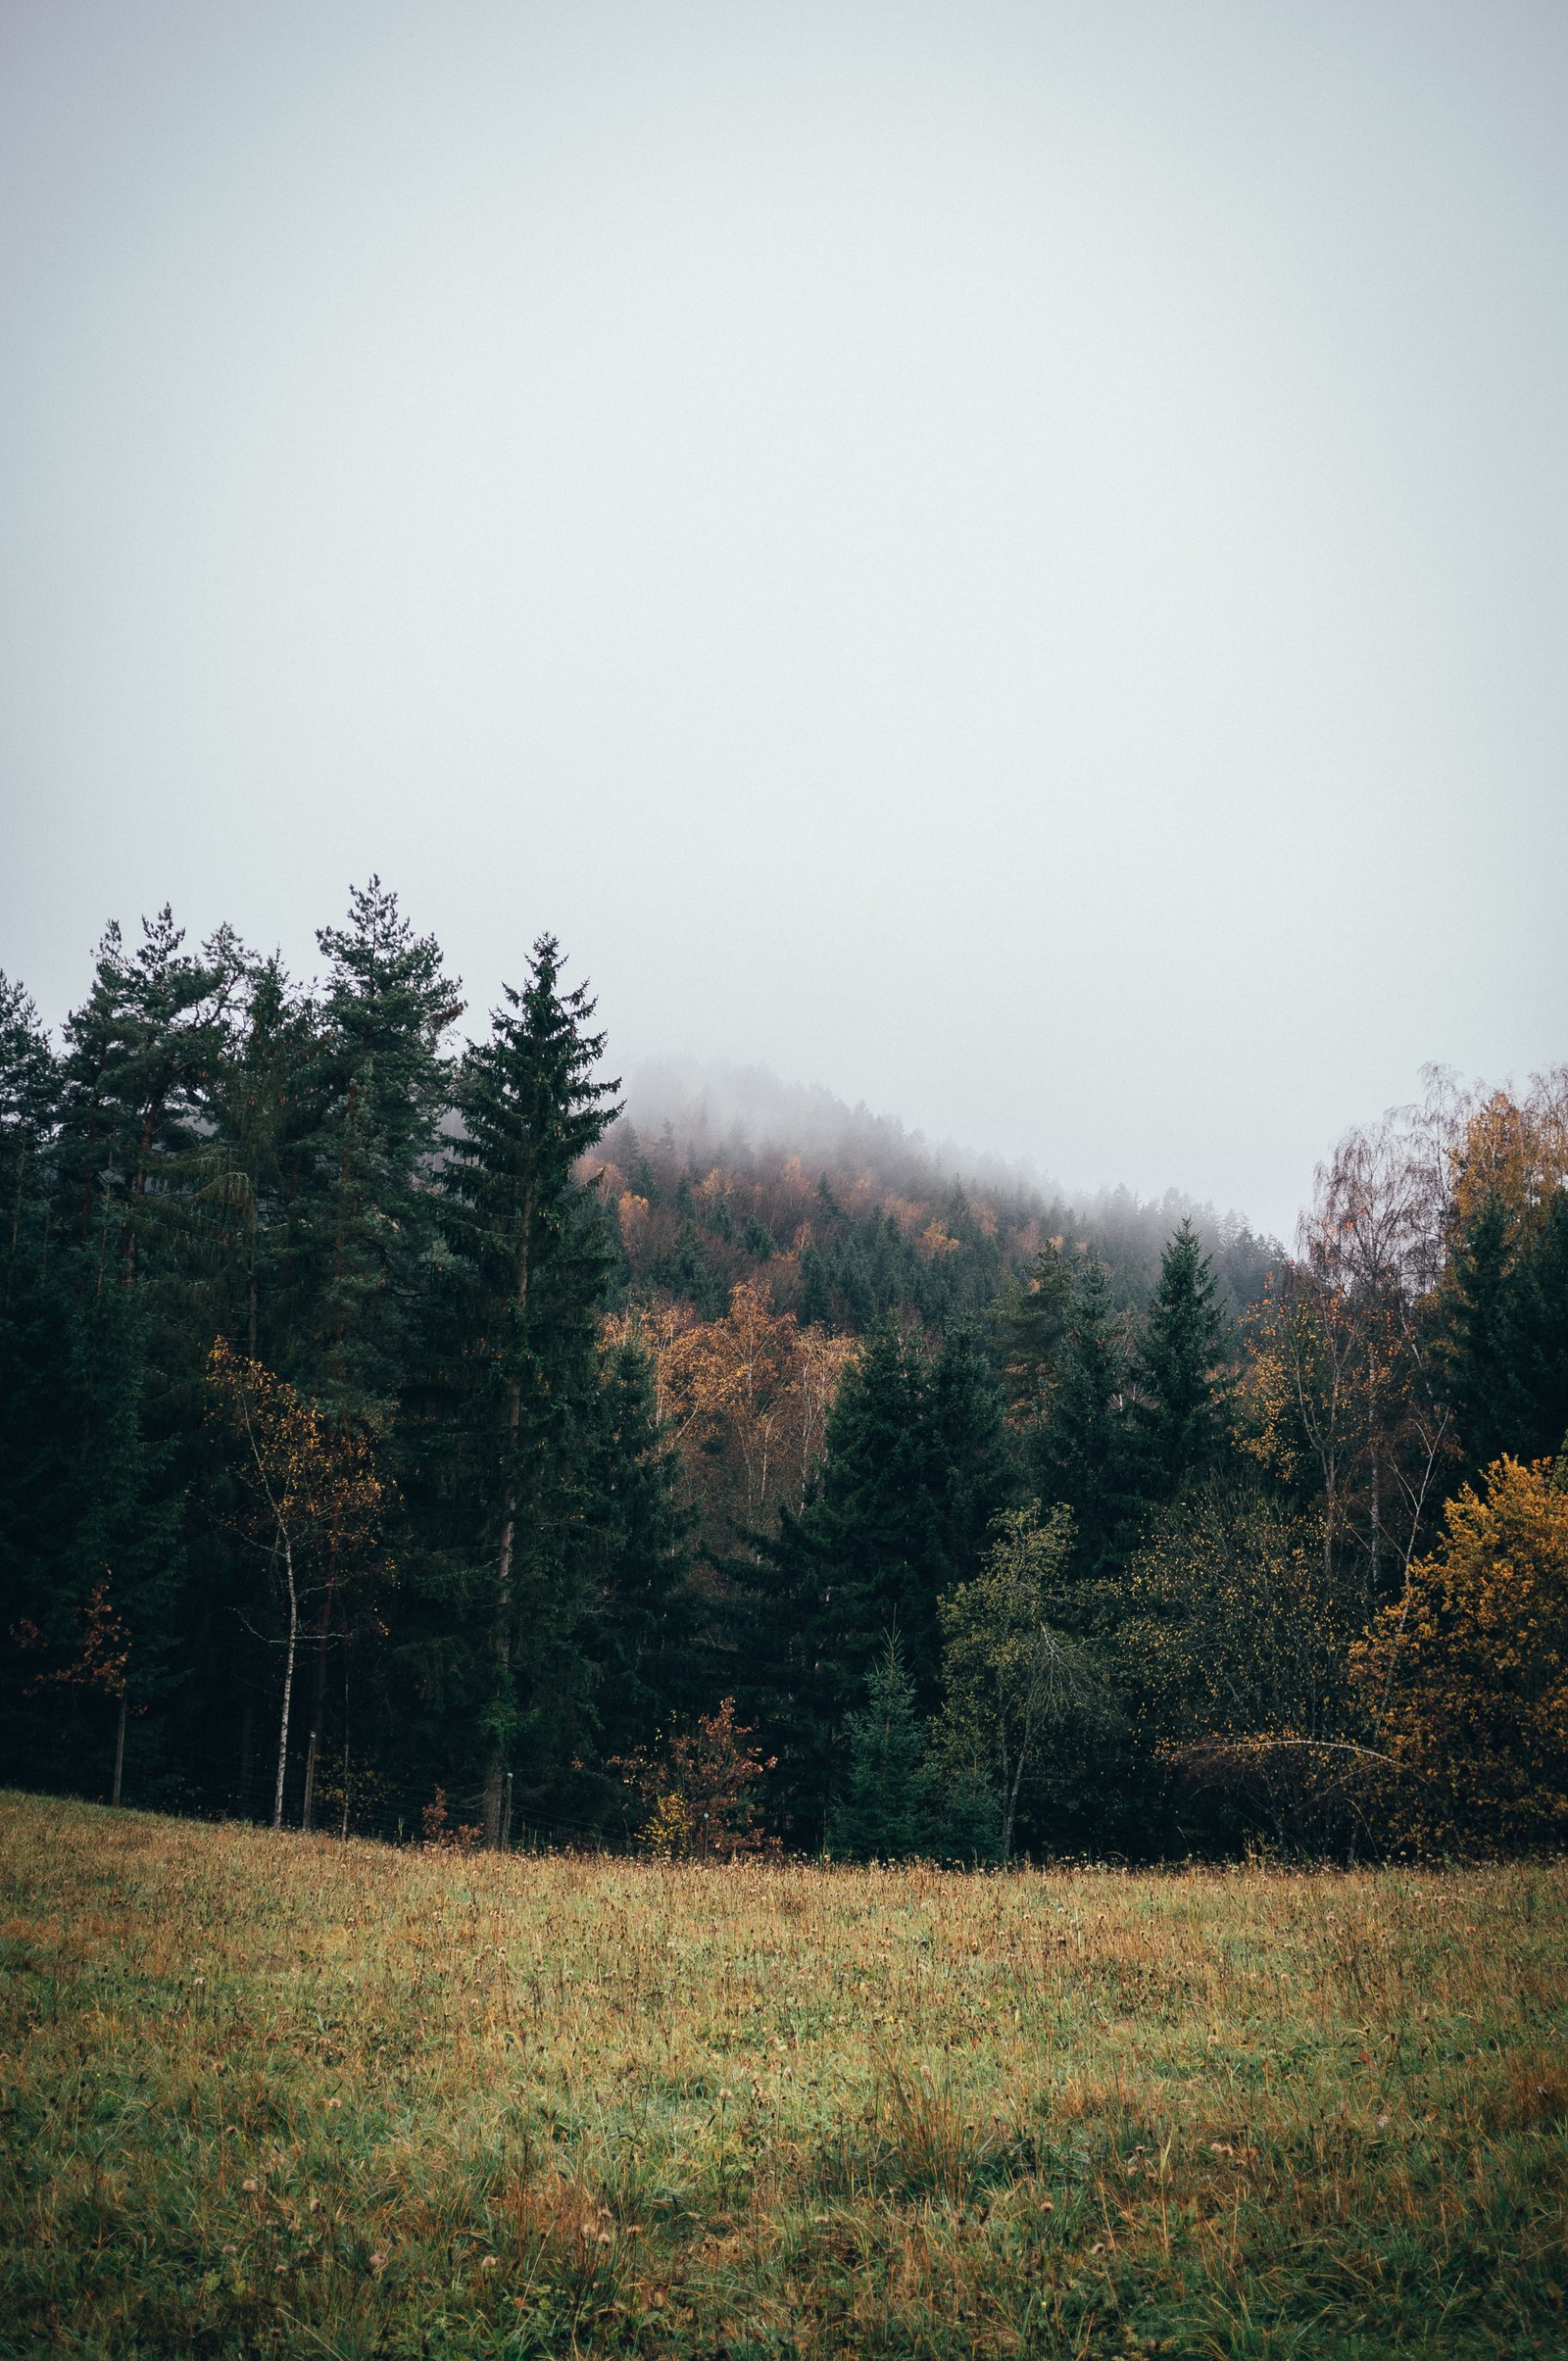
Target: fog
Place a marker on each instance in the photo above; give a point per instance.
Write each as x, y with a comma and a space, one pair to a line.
717, 1111
1005, 562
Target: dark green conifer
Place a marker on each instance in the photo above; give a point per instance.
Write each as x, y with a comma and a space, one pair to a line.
914, 1469
684, 1270
1504, 1332
880, 1815
1079, 1452
138, 1054
1030, 1321
638, 1616
382, 1091
1180, 1407
533, 1269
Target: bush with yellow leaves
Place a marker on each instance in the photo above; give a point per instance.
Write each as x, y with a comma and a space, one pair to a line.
1466, 1676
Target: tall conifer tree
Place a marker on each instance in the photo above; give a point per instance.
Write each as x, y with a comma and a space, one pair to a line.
879, 1818
1180, 1402
916, 1467
1079, 1453
382, 1090
536, 1264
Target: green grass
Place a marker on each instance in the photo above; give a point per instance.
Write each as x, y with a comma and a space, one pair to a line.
284, 2096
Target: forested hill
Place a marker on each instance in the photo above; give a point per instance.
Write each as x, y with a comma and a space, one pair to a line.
395, 1428
859, 1221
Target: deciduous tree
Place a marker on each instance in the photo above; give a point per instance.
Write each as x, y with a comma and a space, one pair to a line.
1011, 1675
1466, 1675
316, 1499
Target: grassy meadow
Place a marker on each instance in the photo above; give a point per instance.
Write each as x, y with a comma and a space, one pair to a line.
272, 2094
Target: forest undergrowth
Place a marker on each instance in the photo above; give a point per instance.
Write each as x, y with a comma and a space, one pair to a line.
278, 2094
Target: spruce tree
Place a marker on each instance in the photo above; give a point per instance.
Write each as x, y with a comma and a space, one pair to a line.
252, 1172
111, 1404
534, 1264
382, 1090
914, 1469
1180, 1407
637, 1626
879, 1818
139, 1053
1542, 1330
34, 1310
1030, 1321
29, 1111
1486, 1381
1080, 1451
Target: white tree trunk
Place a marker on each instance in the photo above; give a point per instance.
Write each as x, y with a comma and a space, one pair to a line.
288, 1685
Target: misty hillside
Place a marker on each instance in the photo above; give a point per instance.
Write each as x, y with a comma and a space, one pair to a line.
716, 1175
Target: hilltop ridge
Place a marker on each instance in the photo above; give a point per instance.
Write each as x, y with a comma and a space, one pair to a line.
720, 1175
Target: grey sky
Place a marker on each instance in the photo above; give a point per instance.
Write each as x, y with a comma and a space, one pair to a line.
1011, 561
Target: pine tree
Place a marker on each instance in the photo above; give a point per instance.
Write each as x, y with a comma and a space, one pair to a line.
535, 1264
1180, 1407
1079, 1453
86, 1503
974, 1475
685, 1271
1030, 1321
1543, 1334
29, 1108
138, 1054
1504, 1304
879, 1818
108, 1399
916, 1467
252, 1172
383, 1089
638, 1617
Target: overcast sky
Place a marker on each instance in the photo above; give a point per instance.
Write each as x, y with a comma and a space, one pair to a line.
1009, 561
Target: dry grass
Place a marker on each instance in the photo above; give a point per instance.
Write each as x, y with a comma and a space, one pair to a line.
285, 2095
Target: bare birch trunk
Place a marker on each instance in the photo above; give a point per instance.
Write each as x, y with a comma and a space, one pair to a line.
288, 1684
120, 1751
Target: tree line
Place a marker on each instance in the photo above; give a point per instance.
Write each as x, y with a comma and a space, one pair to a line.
394, 1441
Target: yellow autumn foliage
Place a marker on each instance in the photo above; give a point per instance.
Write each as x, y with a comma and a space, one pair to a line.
1466, 1675
1515, 1148
745, 1398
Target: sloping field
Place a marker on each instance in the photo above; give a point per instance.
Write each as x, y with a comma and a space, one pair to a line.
285, 2095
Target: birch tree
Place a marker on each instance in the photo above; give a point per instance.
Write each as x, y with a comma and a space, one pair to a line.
315, 1500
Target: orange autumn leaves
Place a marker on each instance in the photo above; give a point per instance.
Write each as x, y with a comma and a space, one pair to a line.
746, 1398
